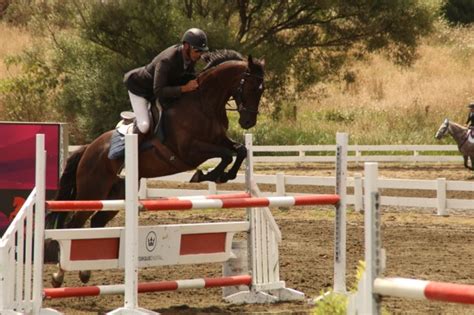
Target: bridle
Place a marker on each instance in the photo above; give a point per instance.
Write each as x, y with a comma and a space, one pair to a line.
239, 95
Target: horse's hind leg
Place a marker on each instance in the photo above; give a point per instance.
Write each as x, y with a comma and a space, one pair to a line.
466, 161
87, 191
101, 218
79, 219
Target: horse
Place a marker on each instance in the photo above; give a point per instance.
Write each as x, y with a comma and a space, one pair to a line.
195, 128
463, 137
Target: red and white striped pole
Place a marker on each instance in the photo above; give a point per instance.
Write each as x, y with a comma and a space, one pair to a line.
182, 204
201, 283
425, 290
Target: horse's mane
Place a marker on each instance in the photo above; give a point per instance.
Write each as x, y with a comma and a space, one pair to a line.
456, 124
217, 57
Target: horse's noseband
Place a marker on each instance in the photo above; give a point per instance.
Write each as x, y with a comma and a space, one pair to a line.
239, 96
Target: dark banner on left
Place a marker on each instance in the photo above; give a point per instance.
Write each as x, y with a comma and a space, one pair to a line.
17, 163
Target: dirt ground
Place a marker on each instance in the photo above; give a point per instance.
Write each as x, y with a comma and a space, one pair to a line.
418, 243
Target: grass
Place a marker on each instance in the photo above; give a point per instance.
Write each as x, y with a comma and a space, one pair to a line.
13, 40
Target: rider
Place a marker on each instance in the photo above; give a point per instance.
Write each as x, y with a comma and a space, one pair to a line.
166, 77
470, 118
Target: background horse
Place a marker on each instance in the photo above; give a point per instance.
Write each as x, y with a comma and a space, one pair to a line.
195, 128
463, 139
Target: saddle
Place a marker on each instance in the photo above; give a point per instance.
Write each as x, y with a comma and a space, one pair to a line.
127, 126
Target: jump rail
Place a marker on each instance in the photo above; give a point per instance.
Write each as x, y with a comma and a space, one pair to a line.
372, 285
177, 285
164, 205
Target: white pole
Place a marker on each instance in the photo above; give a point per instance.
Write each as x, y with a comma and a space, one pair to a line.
131, 229
340, 218
131, 222
40, 183
370, 304
251, 214
3, 283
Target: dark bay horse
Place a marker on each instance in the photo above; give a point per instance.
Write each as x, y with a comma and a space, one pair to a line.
464, 140
196, 130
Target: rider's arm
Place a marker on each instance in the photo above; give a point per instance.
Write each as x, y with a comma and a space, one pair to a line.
161, 89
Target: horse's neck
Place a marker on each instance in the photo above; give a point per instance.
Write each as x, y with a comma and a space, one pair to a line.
457, 132
218, 86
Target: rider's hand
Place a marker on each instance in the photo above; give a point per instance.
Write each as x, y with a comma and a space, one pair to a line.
190, 86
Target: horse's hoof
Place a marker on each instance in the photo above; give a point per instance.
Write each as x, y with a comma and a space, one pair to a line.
85, 276
57, 280
222, 179
196, 177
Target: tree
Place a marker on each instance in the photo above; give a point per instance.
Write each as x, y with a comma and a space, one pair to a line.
302, 41
4, 6
459, 11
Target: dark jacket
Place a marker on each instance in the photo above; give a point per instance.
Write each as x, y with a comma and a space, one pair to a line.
162, 77
470, 120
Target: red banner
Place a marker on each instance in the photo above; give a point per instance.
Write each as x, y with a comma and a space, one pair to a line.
17, 164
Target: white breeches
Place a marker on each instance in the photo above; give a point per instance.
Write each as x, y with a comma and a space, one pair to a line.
140, 108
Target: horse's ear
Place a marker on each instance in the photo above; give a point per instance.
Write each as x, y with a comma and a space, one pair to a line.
250, 60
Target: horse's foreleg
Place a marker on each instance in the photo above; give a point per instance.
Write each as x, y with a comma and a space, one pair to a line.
207, 151
466, 160
241, 151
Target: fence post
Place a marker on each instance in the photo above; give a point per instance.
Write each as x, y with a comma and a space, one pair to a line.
415, 154
142, 191
212, 188
358, 196
357, 156
280, 184
441, 196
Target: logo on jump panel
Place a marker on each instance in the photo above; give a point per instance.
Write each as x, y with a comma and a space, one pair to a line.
150, 241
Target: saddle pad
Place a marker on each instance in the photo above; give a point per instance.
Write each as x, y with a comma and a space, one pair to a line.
117, 146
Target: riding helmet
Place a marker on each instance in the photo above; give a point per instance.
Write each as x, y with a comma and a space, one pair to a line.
471, 105
196, 38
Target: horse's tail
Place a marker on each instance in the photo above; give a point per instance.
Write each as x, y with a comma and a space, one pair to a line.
67, 189
67, 183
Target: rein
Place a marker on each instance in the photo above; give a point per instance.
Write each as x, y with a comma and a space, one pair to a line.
239, 97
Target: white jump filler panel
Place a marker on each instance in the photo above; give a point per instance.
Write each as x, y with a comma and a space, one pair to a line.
175, 244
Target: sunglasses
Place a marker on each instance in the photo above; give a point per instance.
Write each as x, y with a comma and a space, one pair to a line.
198, 50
